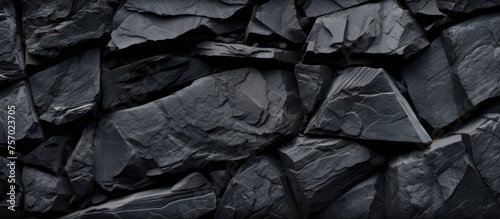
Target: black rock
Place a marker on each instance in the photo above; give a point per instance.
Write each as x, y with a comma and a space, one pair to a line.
52, 154
27, 125
220, 180
52, 27
440, 182
11, 50
313, 82
316, 8
466, 6
45, 192
427, 13
133, 83
68, 90
10, 175
220, 117
258, 190
365, 103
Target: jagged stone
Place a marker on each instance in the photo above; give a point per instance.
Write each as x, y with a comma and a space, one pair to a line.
365, 103
322, 169
258, 190
51, 27
427, 13
27, 125
220, 180
466, 6
379, 28
52, 154
313, 82
9, 198
365, 200
11, 50
191, 197
220, 117
132, 83
68, 90
45, 192
440, 182
316, 8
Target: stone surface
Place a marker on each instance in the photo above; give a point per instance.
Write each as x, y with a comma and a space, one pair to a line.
68, 90
365, 103
54, 26
316, 8
11, 50
221, 117
382, 28
27, 125
45, 192
440, 182
134, 82
52, 154
322, 169
313, 82
191, 197
258, 190
466, 6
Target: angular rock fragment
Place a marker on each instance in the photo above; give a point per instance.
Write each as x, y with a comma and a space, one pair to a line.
68, 90
52, 154
440, 182
381, 28
427, 13
313, 82
52, 27
258, 190
220, 117
322, 169
220, 179
365, 103
191, 197
466, 6
316, 8
18, 99
11, 50
134, 82
11, 199
45, 192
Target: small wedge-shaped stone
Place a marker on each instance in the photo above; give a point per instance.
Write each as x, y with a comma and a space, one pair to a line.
134, 82
466, 6
365, 103
313, 82
68, 90
440, 182
316, 8
322, 169
220, 117
11, 51
191, 197
258, 190
24, 118
52, 154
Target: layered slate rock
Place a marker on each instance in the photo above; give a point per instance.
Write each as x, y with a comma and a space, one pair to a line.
427, 13
316, 8
51, 27
258, 190
11, 50
365, 200
221, 117
133, 83
313, 82
466, 6
440, 182
321, 169
27, 125
365, 103
10, 175
191, 197
52, 154
382, 28
276, 17
69, 90
45, 192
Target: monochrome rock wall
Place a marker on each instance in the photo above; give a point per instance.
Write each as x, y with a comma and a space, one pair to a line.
250, 109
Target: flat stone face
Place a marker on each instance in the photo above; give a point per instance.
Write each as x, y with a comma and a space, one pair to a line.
191, 197
432, 183
466, 6
51, 26
258, 190
220, 117
11, 50
313, 82
52, 154
68, 90
315, 8
27, 125
365, 103
321, 169
134, 82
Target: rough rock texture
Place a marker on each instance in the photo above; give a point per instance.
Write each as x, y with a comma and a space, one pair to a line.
45, 192
427, 13
440, 182
52, 154
11, 50
315, 8
365, 103
313, 82
191, 197
220, 117
27, 125
68, 90
374, 28
258, 190
466, 6
132, 83
321, 169
54, 26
